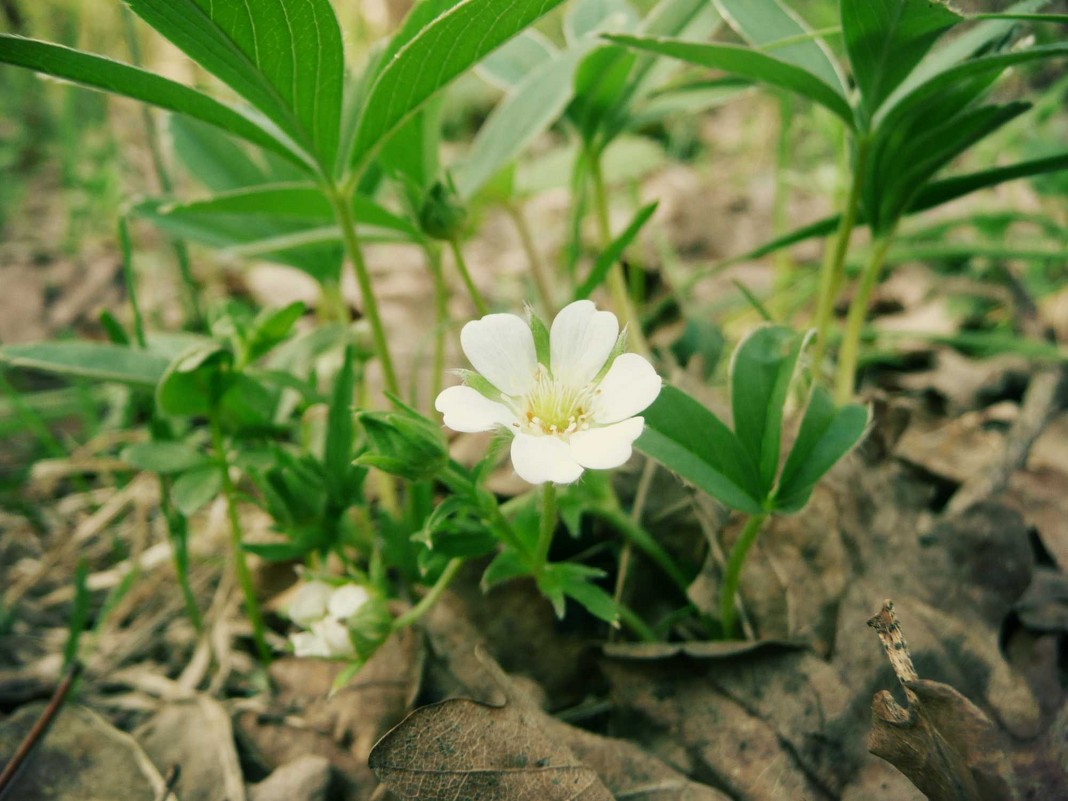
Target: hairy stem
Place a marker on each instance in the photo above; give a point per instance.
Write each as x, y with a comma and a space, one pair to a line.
548, 524
433, 595
733, 571
465, 274
833, 269
343, 212
244, 577
848, 355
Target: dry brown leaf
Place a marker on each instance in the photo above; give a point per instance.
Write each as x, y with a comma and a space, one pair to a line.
1041, 496
464, 749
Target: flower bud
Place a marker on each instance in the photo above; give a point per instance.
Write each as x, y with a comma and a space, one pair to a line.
442, 215
403, 443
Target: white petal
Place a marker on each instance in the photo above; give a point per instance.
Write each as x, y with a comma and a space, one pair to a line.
467, 409
501, 347
310, 603
628, 387
346, 600
581, 341
307, 644
608, 446
541, 459
334, 636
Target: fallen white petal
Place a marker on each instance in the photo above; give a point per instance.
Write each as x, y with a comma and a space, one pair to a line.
501, 347
310, 603
606, 447
540, 459
628, 388
581, 341
467, 409
346, 600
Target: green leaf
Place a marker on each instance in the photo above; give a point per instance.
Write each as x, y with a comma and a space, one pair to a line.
587, 18
509, 65
194, 489
522, 116
97, 361
827, 434
106, 75
433, 58
761, 371
612, 253
690, 440
599, 109
506, 566
749, 64
411, 153
982, 69
194, 381
885, 39
764, 23
283, 56
212, 157
703, 338
595, 600
960, 47
297, 200
163, 457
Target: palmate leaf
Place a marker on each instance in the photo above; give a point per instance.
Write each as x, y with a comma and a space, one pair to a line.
761, 371
283, 56
885, 39
97, 72
441, 51
748, 63
94, 360
827, 434
690, 440
211, 157
764, 23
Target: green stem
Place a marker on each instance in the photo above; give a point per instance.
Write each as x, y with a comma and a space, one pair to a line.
833, 269
441, 319
849, 353
630, 619
733, 571
644, 542
454, 477
782, 262
548, 524
433, 594
178, 534
244, 577
617, 284
131, 282
343, 212
472, 290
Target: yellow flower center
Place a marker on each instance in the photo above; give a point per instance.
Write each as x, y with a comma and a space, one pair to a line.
553, 407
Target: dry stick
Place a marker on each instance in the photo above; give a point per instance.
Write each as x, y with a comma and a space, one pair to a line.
897, 650
644, 482
40, 728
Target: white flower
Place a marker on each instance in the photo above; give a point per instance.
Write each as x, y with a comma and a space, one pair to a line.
574, 410
323, 610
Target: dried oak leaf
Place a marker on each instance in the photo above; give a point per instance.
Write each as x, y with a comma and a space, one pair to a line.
942, 742
464, 749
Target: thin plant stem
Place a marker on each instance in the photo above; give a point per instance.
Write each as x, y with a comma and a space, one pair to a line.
441, 319
131, 281
643, 541
537, 267
617, 284
433, 594
648, 469
178, 534
849, 352
454, 477
163, 176
782, 262
548, 524
733, 571
244, 577
465, 274
343, 212
833, 268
